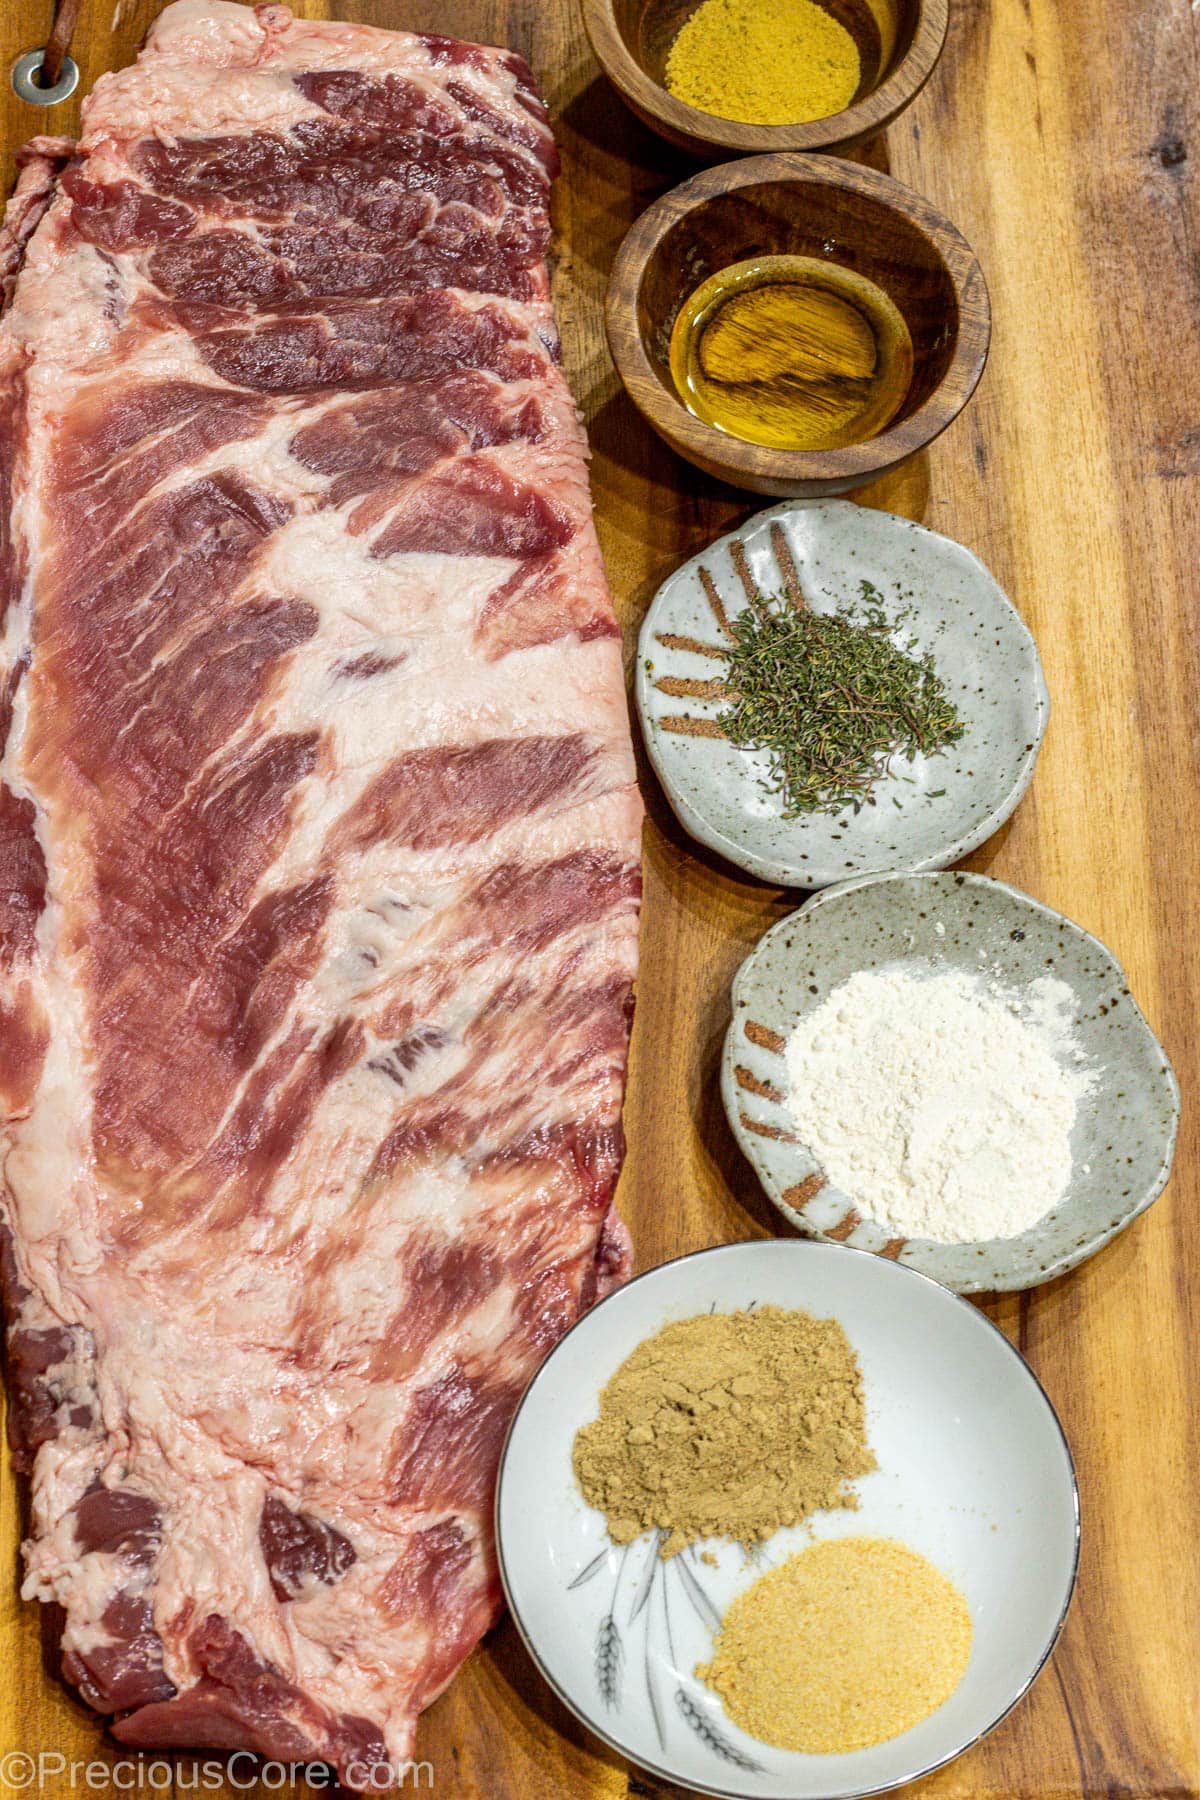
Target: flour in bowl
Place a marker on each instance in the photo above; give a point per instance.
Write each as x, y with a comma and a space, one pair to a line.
939, 1102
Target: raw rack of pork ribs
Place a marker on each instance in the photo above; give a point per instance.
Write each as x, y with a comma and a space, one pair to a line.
318, 869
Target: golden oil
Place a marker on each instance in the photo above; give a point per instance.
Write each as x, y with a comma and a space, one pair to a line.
792, 353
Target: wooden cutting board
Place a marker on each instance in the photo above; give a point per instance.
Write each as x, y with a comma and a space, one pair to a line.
1060, 136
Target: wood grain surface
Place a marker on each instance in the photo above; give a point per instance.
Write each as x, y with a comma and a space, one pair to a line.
1059, 136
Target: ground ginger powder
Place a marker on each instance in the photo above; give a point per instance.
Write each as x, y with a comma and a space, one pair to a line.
728, 1425
844, 1645
764, 62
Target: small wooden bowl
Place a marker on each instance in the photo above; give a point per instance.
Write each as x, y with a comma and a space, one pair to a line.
807, 206
899, 42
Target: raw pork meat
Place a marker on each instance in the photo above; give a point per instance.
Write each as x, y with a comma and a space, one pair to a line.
318, 870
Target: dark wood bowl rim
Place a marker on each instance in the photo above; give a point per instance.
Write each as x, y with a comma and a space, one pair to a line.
710, 446
868, 115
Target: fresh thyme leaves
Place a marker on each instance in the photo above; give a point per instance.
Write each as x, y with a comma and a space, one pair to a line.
830, 697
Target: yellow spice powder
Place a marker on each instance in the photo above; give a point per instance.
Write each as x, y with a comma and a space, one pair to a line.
764, 62
727, 1425
844, 1645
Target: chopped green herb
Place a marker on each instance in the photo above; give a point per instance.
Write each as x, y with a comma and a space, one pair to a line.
830, 697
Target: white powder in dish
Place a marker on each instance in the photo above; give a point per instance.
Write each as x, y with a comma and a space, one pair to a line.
940, 1103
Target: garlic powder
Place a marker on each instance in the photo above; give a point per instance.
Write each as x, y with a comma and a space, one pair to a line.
940, 1103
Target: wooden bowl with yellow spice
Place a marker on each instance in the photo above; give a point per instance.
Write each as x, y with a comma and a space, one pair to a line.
797, 325
746, 76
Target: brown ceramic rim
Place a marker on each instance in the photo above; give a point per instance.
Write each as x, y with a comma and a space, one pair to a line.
706, 443
688, 123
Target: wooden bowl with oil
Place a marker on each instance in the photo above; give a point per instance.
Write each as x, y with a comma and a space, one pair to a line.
898, 43
820, 209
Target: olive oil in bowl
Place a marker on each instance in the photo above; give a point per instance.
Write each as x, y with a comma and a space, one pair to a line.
792, 353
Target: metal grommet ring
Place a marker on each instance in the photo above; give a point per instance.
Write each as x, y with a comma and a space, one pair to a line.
26, 88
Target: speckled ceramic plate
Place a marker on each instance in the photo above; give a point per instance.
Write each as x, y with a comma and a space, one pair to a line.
927, 813
1124, 1136
973, 1472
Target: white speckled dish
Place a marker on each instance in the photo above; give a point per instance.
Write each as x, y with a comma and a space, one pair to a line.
973, 1472
1124, 1137
928, 813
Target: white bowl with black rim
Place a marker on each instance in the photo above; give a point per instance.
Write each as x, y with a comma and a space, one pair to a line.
1123, 1140
974, 1473
924, 814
